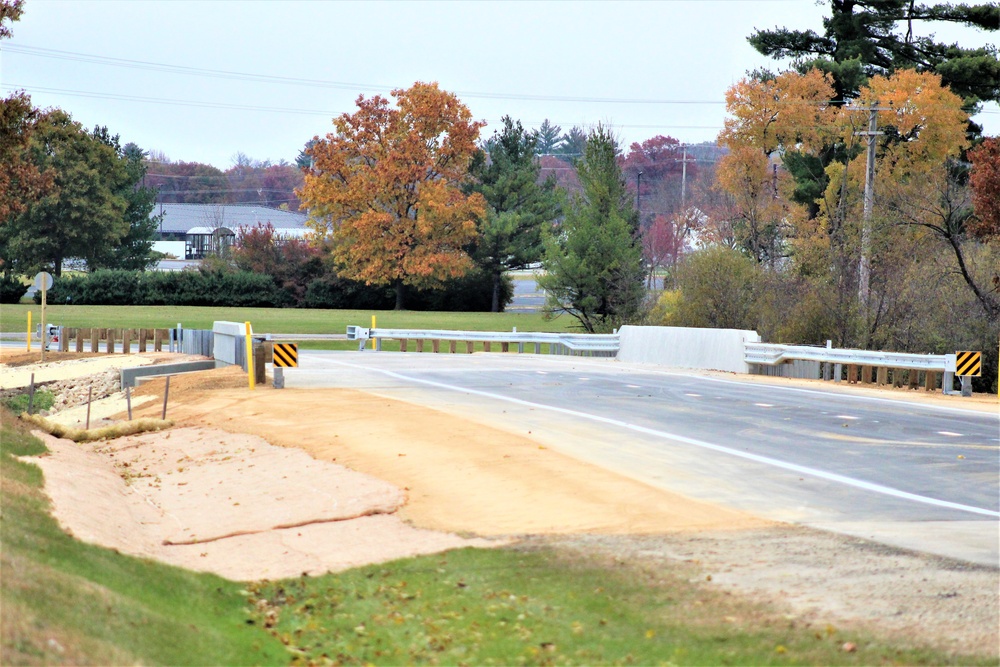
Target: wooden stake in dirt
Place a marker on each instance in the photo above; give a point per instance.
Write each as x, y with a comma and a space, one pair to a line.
128, 401
31, 393
166, 393
90, 393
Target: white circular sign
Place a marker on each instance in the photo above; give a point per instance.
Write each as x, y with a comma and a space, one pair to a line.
43, 278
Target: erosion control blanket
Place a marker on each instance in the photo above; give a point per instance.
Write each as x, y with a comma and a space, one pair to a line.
231, 504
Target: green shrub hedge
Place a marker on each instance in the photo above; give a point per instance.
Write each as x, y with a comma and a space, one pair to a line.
164, 288
256, 290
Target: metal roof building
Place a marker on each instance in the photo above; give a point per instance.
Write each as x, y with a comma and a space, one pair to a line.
208, 229
179, 219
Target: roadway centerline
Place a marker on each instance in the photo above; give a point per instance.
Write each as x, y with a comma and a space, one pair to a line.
766, 460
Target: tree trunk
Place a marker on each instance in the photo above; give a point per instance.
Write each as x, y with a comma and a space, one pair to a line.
400, 288
495, 306
989, 305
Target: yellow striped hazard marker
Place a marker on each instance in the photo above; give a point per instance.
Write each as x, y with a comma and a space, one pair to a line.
286, 355
969, 363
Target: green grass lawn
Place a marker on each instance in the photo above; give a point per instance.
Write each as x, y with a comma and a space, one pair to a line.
13, 318
65, 602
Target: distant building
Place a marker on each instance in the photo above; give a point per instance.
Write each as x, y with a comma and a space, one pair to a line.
208, 229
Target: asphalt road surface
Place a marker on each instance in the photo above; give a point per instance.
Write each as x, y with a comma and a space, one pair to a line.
901, 473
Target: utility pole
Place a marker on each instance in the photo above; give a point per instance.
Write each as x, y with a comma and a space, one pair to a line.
638, 201
864, 269
684, 176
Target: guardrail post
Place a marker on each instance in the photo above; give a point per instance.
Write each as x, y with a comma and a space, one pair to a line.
866, 375
966, 385
948, 383
882, 376
486, 346
110, 341
914, 379
79, 338
452, 345
420, 345
402, 344
837, 370
436, 346
143, 335
259, 370
852, 374
469, 346
505, 347
157, 340
930, 380
127, 341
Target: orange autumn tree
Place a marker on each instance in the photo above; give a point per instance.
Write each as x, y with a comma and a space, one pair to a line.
385, 189
790, 112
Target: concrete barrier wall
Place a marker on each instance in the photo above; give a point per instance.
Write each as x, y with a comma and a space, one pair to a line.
685, 347
228, 337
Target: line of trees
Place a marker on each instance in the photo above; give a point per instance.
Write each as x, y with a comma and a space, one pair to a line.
792, 249
69, 192
246, 181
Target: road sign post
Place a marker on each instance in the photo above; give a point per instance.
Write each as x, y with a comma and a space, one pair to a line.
968, 365
43, 281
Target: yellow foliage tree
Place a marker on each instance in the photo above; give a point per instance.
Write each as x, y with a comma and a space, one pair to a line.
385, 188
789, 112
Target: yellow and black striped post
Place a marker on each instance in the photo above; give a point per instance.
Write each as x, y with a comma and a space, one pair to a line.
286, 355
969, 364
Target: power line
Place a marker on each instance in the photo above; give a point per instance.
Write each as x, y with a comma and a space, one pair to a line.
313, 83
246, 107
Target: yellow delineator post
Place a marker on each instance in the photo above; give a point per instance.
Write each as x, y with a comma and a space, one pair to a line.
249, 338
373, 326
29, 331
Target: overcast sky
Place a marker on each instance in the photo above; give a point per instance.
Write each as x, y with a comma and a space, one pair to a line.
281, 70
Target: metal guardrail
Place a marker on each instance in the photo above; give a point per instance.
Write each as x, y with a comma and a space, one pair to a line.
771, 354
300, 337
574, 343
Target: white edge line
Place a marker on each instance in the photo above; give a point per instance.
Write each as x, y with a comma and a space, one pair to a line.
804, 470
842, 394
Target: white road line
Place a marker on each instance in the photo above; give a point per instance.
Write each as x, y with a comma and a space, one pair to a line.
845, 417
832, 392
950, 433
764, 405
766, 460
693, 395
